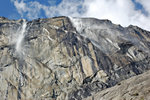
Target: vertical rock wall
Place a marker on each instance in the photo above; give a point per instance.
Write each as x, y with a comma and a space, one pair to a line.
60, 63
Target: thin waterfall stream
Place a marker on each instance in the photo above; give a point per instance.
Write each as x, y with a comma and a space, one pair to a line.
20, 52
21, 37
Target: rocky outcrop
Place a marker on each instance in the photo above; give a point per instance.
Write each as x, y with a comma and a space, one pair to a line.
68, 58
135, 88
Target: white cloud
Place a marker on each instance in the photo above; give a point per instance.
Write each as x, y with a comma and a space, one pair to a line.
20, 6
118, 11
115, 10
145, 4
30, 10
65, 8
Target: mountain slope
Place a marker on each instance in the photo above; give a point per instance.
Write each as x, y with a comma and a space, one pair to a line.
68, 58
135, 88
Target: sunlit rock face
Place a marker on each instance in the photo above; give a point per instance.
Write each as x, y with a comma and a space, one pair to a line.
68, 58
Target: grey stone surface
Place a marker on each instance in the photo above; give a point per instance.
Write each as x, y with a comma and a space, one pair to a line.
135, 88
68, 58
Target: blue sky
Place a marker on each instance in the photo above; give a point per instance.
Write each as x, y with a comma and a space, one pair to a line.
8, 9
124, 12
139, 6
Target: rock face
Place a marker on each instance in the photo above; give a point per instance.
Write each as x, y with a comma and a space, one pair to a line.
68, 58
135, 88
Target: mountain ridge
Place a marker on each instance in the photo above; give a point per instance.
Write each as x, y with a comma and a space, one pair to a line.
68, 58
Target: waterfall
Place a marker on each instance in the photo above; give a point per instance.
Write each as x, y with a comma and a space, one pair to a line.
19, 51
21, 37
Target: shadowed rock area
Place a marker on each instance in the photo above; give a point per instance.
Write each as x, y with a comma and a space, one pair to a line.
135, 88
65, 58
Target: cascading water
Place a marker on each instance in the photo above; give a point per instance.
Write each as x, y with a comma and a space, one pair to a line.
21, 37
19, 51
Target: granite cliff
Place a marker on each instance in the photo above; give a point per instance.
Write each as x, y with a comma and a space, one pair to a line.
64, 58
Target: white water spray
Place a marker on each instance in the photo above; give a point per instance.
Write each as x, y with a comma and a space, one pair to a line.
19, 48
21, 36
